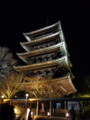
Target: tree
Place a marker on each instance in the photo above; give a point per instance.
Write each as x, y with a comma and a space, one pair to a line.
11, 85
6, 62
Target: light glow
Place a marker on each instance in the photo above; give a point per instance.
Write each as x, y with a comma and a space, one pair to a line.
27, 95
32, 114
2, 96
48, 114
17, 111
27, 114
67, 114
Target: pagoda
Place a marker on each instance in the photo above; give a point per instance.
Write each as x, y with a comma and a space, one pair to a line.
47, 56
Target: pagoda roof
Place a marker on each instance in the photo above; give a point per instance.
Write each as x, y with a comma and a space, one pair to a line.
45, 38
63, 61
60, 46
41, 40
63, 84
31, 35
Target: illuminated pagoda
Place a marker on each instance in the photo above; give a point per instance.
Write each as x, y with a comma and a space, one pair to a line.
47, 57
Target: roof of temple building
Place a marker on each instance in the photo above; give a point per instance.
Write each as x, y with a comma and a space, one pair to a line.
63, 85
43, 32
56, 37
60, 47
58, 62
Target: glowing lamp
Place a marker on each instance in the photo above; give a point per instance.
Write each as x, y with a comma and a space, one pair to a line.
67, 115
48, 114
2, 96
27, 95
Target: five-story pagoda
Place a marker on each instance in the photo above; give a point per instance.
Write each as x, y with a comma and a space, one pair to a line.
47, 69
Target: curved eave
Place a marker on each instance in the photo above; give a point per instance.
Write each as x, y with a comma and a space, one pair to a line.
43, 29
71, 84
64, 83
60, 46
64, 61
41, 40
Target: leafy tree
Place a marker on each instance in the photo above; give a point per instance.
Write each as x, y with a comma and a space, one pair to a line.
6, 62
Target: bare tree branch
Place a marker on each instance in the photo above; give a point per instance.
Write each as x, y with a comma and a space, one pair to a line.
40, 87
8, 88
6, 62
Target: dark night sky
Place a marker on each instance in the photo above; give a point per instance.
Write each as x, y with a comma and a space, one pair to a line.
21, 16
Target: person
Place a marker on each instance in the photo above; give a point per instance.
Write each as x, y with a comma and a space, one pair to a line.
7, 112
73, 113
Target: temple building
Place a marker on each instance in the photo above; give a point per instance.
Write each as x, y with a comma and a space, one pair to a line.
47, 56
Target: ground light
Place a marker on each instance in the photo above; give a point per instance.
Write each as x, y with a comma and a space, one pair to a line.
48, 114
67, 115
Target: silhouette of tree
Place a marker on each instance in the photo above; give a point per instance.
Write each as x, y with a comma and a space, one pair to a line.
6, 62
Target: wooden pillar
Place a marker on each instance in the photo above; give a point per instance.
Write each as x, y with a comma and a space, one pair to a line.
65, 104
37, 108
50, 108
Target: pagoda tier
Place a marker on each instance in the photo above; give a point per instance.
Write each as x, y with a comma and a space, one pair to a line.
58, 67
45, 54
58, 62
62, 86
43, 32
43, 42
